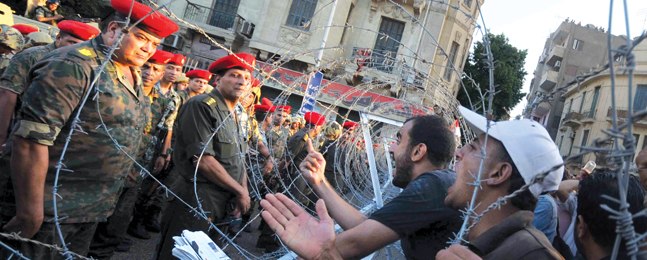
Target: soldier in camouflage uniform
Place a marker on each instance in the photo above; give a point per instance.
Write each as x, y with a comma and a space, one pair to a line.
221, 182
13, 81
94, 169
11, 42
298, 150
198, 83
111, 234
36, 39
48, 14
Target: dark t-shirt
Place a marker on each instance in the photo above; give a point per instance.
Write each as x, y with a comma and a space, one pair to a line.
419, 215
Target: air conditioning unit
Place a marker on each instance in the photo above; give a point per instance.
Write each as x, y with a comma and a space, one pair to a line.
572, 135
247, 29
173, 41
558, 64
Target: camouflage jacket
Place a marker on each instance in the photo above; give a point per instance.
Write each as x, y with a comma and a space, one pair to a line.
172, 107
95, 168
43, 11
277, 139
14, 78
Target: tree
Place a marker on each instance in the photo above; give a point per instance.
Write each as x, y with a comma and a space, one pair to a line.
508, 76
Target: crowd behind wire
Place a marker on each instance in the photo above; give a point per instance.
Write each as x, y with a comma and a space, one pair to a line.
70, 131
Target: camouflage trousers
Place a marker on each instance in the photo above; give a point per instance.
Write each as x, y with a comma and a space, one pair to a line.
109, 234
77, 237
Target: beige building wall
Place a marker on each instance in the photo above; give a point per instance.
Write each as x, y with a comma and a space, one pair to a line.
573, 125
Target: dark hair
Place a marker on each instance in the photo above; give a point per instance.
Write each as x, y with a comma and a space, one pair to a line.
433, 131
589, 198
120, 19
524, 200
222, 73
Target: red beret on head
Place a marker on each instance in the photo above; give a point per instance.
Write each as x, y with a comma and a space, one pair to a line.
287, 109
161, 57
256, 83
232, 61
314, 118
266, 101
178, 59
264, 108
350, 125
156, 23
199, 74
78, 29
25, 28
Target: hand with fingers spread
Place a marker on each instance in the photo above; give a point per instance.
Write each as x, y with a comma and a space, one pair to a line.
313, 166
305, 235
457, 252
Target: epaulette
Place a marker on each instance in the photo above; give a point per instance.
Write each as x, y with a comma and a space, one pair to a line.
210, 101
305, 138
84, 52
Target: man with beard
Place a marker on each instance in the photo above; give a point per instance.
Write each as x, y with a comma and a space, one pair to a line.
418, 216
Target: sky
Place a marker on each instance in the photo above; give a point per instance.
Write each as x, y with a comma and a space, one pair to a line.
528, 23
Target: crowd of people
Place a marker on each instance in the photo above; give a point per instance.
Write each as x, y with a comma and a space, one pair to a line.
197, 140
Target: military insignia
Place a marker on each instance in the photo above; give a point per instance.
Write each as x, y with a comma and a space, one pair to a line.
209, 101
167, 60
85, 52
305, 138
182, 61
91, 37
253, 63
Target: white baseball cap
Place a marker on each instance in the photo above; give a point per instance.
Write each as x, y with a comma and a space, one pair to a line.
529, 145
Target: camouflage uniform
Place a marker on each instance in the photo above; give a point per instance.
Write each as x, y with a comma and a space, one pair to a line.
12, 38
88, 192
43, 11
298, 150
196, 121
278, 138
14, 78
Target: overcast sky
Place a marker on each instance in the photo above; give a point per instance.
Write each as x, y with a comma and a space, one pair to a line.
528, 23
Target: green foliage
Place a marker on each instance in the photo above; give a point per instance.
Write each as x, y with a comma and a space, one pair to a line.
508, 76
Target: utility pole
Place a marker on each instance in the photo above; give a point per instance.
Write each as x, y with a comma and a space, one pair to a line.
325, 36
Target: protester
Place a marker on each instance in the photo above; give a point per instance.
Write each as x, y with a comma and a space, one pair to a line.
546, 216
13, 81
89, 184
567, 200
221, 177
418, 216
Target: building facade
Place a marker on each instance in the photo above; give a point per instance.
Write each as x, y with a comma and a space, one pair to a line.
572, 50
371, 41
591, 111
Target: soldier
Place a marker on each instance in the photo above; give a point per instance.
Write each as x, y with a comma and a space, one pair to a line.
198, 82
181, 83
11, 42
221, 174
13, 81
109, 236
36, 39
93, 170
331, 133
297, 150
172, 72
48, 14
25, 29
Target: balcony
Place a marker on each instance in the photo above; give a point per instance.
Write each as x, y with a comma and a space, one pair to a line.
560, 36
555, 54
548, 80
382, 60
623, 114
214, 21
588, 116
572, 119
542, 109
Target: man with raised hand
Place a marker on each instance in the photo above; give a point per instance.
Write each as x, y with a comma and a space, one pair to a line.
221, 182
516, 153
418, 216
94, 168
13, 81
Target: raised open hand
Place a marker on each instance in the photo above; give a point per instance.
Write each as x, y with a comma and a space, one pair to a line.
302, 233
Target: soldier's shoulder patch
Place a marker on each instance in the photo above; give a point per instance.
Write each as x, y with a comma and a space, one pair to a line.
210, 101
305, 138
84, 53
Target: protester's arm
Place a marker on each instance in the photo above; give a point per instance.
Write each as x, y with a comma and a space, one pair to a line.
364, 239
457, 252
28, 170
565, 189
312, 168
7, 106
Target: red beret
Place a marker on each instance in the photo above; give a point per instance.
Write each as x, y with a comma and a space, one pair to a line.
178, 59
161, 57
350, 125
264, 108
256, 83
78, 29
232, 61
314, 118
266, 101
199, 74
287, 109
25, 28
156, 23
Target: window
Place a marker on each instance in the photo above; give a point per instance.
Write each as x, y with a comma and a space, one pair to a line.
644, 143
636, 137
468, 3
570, 106
224, 13
578, 44
387, 43
561, 140
640, 101
343, 35
556, 121
594, 103
301, 12
585, 137
450, 62
562, 99
582, 103
536, 118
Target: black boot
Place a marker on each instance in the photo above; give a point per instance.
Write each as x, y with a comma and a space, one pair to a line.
151, 221
137, 230
124, 246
